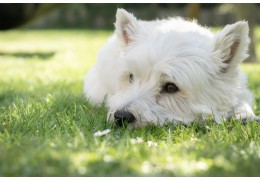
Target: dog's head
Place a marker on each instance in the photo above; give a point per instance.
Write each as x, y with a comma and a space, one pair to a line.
175, 70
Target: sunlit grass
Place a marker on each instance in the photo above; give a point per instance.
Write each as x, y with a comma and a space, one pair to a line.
47, 128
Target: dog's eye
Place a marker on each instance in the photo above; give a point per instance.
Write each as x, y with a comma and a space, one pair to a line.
131, 78
170, 88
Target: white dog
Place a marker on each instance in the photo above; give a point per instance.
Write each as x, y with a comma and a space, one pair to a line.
169, 71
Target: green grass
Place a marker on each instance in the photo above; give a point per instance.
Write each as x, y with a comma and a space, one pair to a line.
47, 128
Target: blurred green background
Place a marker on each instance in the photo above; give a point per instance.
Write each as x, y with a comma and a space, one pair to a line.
102, 16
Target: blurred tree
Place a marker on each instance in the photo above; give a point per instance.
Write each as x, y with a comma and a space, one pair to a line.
13, 15
193, 10
248, 12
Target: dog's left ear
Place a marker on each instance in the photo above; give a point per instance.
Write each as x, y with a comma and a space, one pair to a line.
230, 45
126, 26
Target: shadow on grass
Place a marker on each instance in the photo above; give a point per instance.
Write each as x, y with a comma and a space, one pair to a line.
29, 55
8, 97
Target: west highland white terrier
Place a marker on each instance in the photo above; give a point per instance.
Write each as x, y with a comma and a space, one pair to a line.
172, 70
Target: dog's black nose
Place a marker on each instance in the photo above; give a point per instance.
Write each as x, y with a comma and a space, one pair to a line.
123, 117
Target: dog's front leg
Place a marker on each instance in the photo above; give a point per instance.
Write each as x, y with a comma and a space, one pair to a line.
244, 112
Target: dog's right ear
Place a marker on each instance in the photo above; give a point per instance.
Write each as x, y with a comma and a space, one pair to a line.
126, 26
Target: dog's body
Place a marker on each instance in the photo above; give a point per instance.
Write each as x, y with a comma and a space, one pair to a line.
171, 70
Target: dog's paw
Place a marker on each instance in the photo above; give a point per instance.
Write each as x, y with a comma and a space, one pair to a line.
245, 120
257, 118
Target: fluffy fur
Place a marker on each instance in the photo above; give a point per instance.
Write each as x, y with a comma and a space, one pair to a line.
140, 60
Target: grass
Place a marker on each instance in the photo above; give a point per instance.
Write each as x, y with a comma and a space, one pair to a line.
47, 128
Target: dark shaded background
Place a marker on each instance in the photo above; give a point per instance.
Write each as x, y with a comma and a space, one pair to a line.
102, 16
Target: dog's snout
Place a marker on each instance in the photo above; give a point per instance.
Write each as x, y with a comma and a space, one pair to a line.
123, 116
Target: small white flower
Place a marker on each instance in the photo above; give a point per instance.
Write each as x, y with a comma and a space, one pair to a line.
138, 140
151, 143
102, 133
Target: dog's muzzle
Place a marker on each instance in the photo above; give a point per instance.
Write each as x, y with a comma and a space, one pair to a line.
123, 117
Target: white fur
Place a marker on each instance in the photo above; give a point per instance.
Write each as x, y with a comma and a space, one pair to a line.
205, 68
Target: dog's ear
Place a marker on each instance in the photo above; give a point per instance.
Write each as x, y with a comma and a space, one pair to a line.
126, 26
230, 45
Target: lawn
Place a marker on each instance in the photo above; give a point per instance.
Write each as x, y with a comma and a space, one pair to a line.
47, 127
